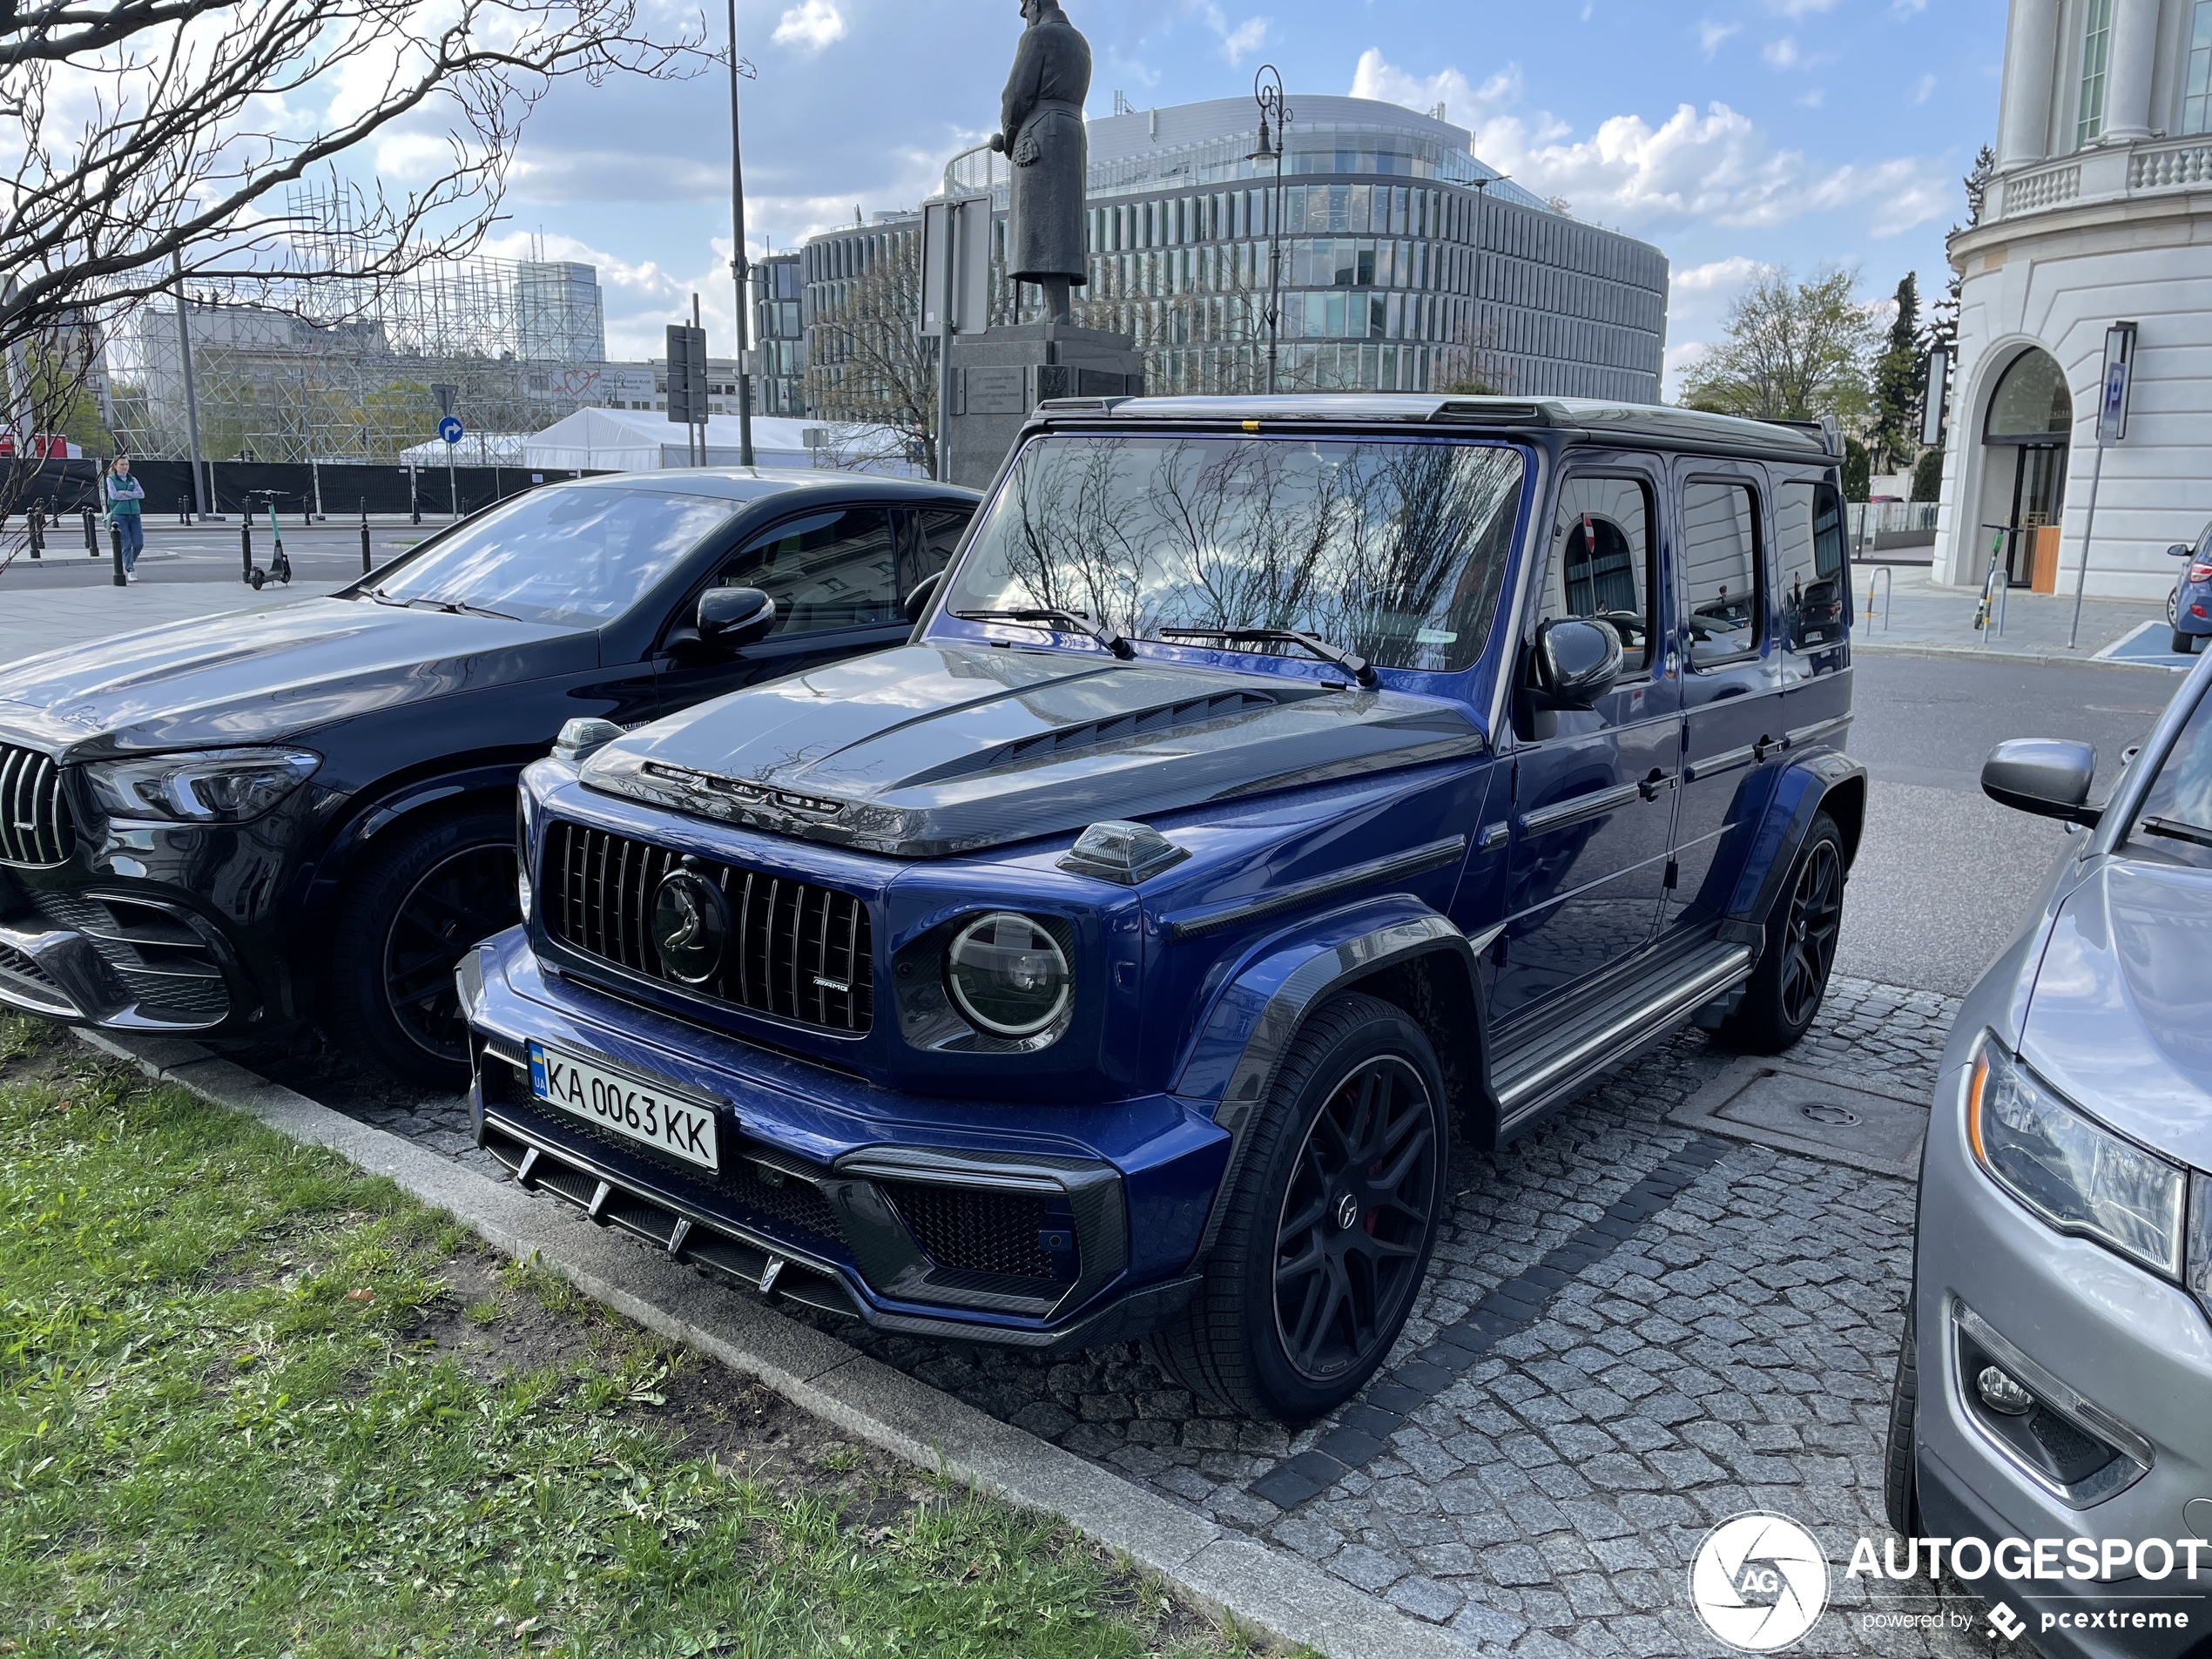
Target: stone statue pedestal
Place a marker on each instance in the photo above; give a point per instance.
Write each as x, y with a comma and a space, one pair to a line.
1000, 374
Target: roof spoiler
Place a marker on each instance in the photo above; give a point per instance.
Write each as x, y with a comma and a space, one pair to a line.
1489, 413
1825, 429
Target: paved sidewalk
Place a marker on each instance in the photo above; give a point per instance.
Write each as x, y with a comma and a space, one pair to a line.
1910, 612
1632, 1330
34, 622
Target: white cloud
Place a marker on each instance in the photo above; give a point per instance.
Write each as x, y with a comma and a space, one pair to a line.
1908, 8
1925, 90
1711, 34
1813, 98
1783, 53
810, 25
1241, 42
1735, 271
1715, 164
1802, 8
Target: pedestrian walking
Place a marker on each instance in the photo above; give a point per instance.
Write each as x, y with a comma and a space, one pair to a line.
124, 497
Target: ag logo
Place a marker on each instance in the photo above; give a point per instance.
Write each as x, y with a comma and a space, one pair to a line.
1759, 1582
691, 923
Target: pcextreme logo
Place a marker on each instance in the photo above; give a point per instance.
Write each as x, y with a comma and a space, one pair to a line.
1759, 1582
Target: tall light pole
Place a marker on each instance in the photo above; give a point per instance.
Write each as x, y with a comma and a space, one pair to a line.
204, 502
740, 268
1269, 99
1481, 240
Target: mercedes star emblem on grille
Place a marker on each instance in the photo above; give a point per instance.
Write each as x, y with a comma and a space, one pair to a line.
691, 924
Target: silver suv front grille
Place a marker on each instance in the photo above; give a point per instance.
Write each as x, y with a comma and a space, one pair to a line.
36, 829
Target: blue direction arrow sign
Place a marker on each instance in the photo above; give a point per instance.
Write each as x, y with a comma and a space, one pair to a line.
450, 429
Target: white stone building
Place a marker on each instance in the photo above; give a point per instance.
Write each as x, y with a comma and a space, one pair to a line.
2101, 212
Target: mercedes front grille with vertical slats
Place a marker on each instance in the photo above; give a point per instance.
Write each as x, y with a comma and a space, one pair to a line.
34, 825
795, 951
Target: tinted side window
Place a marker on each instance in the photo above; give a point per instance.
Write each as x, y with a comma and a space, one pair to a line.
1720, 528
935, 533
2176, 817
1601, 561
837, 569
1809, 561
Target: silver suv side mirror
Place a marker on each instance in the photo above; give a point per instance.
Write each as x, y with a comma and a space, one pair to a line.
2049, 776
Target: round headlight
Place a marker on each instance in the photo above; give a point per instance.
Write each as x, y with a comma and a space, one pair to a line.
1007, 974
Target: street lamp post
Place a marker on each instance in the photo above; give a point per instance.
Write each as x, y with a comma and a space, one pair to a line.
1481, 240
739, 266
1269, 99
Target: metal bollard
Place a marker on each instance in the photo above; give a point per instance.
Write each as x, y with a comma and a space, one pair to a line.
92, 537
38, 532
115, 534
245, 542
364, 565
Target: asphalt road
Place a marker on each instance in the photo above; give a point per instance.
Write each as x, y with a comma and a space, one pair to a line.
1944, 875
329, 552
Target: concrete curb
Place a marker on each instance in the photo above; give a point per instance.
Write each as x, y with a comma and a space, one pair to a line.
2021, 658
1265, 1588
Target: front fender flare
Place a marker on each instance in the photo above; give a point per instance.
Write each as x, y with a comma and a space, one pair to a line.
1256, 1014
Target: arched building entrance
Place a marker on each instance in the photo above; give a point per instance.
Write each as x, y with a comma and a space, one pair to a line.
2024, 438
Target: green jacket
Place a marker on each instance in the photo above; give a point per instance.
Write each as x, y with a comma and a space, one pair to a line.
124, 495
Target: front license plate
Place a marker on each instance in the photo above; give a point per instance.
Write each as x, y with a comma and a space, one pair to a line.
626, 1106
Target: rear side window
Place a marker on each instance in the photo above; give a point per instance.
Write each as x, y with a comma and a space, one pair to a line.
1719, 531
1601, 561
2176, 817
834, 570
935, 532
1809, 561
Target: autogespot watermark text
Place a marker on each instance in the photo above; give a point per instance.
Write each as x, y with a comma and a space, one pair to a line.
1760, 1582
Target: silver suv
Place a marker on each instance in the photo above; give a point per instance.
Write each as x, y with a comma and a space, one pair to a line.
2058, 1354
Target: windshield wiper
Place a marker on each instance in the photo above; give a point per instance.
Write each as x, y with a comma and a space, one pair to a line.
1075, 619
451, 607
1359, 667
2174, 829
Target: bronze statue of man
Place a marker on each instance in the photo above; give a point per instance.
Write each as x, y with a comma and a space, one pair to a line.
1041, 130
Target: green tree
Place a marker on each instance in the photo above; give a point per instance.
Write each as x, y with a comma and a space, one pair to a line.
1795, 351
1898, 373
1856, 470
1927, 476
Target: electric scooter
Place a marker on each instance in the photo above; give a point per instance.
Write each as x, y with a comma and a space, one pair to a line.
279, 566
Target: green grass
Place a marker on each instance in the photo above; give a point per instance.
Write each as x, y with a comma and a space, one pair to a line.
217, 1437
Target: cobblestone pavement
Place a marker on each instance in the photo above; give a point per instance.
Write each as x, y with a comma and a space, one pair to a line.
1722, 1341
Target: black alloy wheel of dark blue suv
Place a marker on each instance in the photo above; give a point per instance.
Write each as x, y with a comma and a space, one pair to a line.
306, 811
1276, 791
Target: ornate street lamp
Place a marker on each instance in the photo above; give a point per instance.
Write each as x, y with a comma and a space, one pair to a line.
1271, 107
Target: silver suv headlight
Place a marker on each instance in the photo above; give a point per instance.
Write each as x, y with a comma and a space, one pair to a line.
2077, 1174
207, 786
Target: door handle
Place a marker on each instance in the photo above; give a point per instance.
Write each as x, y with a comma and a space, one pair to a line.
1759, 749
1650, 786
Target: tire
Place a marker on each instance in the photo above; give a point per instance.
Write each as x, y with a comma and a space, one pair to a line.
1355, 1124
1900, 1457
2184, 644
1785, 990
2173, 608
410, 910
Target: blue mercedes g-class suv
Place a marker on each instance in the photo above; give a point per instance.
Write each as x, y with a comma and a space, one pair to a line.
1271, 791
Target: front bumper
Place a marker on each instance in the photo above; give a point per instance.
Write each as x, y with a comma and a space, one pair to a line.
127, 962
2117, 1446
919, 1215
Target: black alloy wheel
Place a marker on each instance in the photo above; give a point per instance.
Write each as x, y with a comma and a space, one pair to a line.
1785, 990
463, 899
426, 891
1355, 1222
1326, 1223
1809, 936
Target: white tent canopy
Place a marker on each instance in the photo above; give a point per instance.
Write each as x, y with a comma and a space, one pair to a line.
646, 440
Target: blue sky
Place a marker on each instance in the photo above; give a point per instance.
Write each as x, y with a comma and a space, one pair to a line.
1733, 134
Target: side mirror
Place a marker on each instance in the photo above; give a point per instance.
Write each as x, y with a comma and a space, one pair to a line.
731, 617
2047, 776
917, 604
1576, 661
2181, 550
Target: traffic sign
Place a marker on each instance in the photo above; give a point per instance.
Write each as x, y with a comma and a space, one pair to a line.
450, 429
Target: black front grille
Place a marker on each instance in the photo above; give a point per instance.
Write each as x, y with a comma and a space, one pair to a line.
795, 951
34, 825
793, 1202
165, 967
980, 1230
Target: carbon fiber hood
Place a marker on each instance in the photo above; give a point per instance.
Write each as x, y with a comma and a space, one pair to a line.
932, 750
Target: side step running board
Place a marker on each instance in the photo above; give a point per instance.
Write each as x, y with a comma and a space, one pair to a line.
1531, 1076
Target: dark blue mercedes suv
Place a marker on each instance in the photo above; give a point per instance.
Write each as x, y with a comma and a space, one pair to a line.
1273, 791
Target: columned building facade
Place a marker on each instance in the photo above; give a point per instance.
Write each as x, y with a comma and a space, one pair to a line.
2100, 211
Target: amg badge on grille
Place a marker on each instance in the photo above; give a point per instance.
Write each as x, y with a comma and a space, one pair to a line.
691, 924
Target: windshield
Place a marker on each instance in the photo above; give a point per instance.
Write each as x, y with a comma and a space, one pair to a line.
1392, 549
2176, 816
560, 556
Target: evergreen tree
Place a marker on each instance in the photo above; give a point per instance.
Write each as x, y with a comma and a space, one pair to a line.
1898, 373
